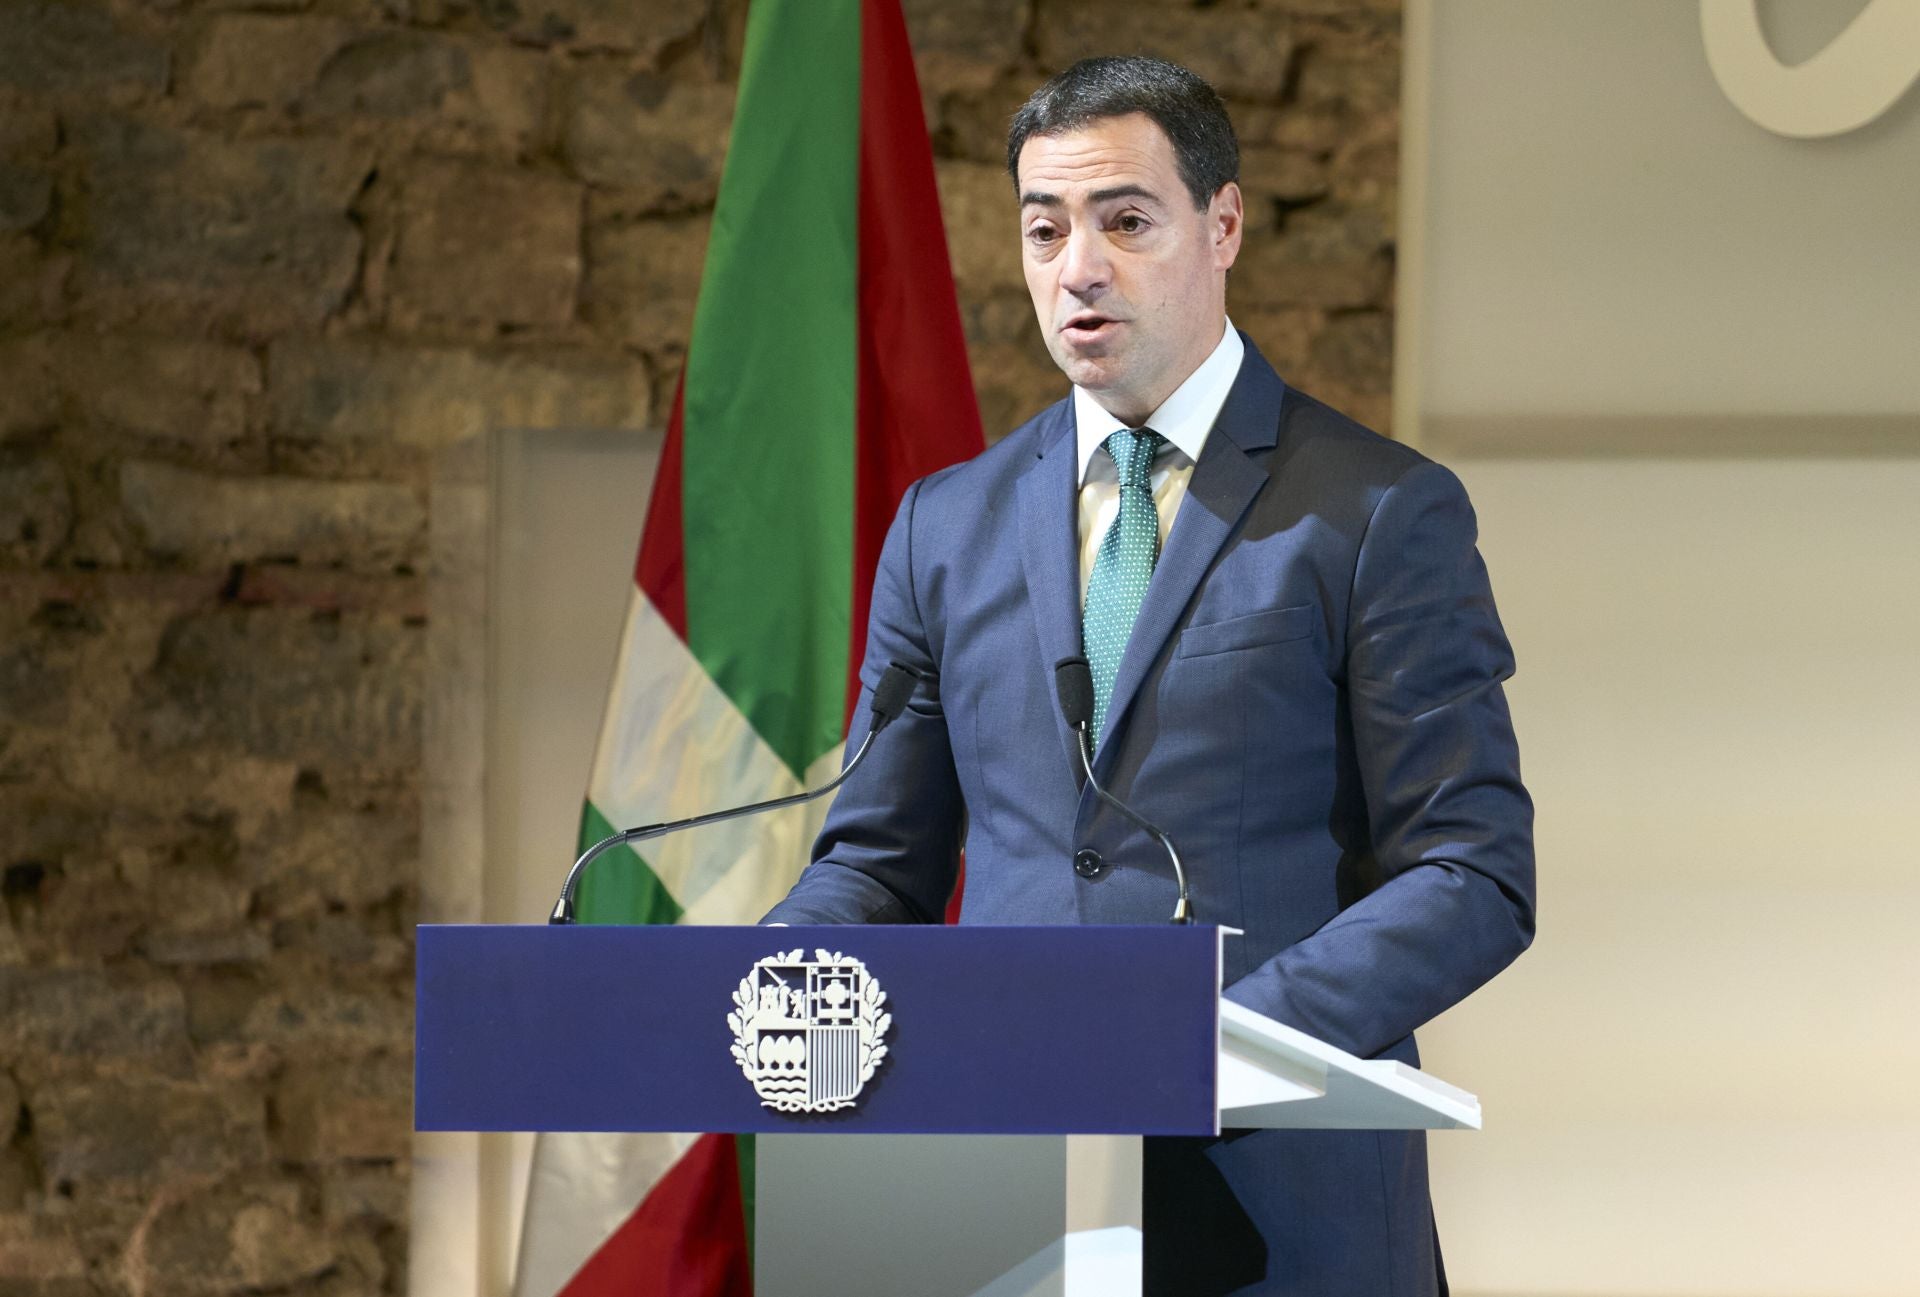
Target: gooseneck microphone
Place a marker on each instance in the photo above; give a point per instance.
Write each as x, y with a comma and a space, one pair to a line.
889, 700
1074, 678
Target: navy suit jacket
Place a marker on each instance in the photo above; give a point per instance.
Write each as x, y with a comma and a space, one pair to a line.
1310, 704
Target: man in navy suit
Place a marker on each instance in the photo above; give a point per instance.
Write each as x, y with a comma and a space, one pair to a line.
1297, 669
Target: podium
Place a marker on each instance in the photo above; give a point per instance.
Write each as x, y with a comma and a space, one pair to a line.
888, 1035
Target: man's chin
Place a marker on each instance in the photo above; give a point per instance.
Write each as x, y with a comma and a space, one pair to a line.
1095, 372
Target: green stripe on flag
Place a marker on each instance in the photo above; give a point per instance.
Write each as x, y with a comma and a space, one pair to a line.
748, 1154
619, 887
768, 470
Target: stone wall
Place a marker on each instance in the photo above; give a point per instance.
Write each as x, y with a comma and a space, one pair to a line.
259, 261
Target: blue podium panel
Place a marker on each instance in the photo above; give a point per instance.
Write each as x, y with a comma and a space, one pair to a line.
958, 1030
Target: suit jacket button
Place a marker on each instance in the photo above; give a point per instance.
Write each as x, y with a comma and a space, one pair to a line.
1088, 864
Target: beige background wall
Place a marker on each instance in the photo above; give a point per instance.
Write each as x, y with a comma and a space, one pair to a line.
1673, 325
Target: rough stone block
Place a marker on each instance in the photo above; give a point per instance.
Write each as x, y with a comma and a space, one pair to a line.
965, 44
77, 53
643, 280
1005, 317
486, 247
467, 94
143, 1133
235, 944
29, 396
28, 132
352, 1195
983, 229
26, 193
660, 142
643, 27
353, 944
229, 1239
250, 234
251, 60
203, 905
1322, 256
973, 125
1366, 177
33, 283
35, 685
1356, 351
36, 512
39, 1259
176, 390
1275, 180
212, 519
84, 912
74, 1018
1242, 54
330, 691
19, 1184
40, 829
1346, 9
319, 858
1355, 66
359, 1111
321, 1021
1317, 128
1284, 334
272, 1248
353, 1278
433, 397
1013, 384
460, 91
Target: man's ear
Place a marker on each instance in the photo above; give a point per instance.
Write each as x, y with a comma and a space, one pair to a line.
1226, 220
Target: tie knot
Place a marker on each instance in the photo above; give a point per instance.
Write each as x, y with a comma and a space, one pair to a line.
1133, 454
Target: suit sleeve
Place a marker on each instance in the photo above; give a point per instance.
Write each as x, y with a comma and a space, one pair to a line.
1450, 823
889, 850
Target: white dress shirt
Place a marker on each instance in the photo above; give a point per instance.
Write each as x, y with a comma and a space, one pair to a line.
1184, 419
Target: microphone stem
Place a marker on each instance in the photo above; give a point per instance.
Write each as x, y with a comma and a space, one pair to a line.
563, 908
1182, 908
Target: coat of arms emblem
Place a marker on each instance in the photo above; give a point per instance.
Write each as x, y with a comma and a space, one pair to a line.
809, 1033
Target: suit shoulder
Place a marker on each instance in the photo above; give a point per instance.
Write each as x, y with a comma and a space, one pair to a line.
1315, 435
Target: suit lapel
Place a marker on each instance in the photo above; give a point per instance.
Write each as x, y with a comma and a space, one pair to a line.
1049, 551
1224, 483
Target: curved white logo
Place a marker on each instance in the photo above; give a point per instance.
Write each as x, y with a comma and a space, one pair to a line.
1857, 77
809, 1033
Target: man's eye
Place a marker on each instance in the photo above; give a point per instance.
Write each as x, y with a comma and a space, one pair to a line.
1041, 234
1131, 224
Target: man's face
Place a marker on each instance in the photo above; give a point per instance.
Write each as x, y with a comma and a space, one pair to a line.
1128, 279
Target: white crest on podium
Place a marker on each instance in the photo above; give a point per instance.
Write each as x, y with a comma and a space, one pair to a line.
809, 1033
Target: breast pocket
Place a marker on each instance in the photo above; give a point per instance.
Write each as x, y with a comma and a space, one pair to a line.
1272, 626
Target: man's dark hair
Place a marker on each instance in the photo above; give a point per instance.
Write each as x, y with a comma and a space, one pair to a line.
1180, 103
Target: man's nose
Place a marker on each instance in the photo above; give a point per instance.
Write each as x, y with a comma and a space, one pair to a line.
1085, 270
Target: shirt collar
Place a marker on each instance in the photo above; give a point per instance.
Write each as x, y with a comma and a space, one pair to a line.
1184, 419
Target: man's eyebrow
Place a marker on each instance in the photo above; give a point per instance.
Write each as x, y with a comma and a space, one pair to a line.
1124, 191
1034, 198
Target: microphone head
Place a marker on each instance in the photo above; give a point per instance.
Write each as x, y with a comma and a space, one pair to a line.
891, 695
1074, 680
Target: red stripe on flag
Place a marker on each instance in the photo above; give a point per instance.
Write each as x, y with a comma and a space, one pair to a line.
917, 412
662, 567
687, 1239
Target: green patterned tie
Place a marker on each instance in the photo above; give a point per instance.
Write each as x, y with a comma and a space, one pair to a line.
1123, 566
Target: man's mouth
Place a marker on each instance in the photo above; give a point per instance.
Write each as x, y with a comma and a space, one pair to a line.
1089, 326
